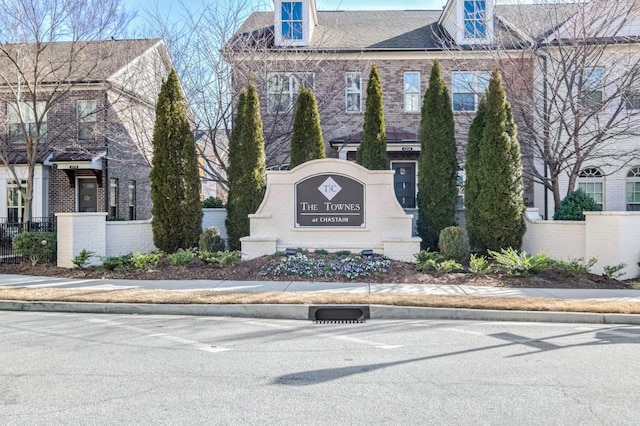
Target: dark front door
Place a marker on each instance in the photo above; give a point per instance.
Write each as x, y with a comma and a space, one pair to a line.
87, 195
404, 182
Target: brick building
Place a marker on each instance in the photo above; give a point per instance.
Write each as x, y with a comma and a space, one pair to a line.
94, 112
332, 51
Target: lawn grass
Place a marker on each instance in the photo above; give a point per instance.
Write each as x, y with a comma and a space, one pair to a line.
213, 297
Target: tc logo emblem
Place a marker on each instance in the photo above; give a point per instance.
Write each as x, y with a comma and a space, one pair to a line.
329, 188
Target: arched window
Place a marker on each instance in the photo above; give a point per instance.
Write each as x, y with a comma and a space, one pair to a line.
633, 189
591, 181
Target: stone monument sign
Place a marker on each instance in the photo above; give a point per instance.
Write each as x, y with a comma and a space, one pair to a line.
332, 205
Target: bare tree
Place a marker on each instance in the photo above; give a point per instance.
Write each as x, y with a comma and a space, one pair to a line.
215, 60
47, 49
572, 72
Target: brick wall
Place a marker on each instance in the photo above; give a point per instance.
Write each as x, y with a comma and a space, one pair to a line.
611, 237
122, 162
329, 87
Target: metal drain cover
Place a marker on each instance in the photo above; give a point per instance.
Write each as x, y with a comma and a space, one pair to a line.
339, 313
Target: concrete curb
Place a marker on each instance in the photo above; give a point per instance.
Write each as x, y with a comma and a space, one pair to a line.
301, 312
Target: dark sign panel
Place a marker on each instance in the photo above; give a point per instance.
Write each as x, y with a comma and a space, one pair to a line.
329, 200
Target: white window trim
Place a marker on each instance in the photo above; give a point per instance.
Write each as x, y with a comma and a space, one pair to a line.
586, 84
280, 39
476, 90
13, 185
23, 114
406, 92
488, 20
634, 178
349, 91
88, 118
294, 88
595, 180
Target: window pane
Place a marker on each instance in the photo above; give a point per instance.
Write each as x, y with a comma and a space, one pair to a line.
463, 102
353, 82
86, 110
297, 11
353, 102
462, 82
286, 11
412, 102
633, 100
483, 82
412, 82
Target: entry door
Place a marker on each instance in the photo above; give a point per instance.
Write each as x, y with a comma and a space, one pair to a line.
87, 195
404, 181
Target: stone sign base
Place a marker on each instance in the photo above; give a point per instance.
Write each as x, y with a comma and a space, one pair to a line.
360, 202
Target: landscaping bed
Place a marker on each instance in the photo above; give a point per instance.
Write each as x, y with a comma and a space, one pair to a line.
388, 271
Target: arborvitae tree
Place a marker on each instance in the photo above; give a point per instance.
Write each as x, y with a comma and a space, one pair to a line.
472, 185
372, 152
306, 142
248, 190
500, 201
437, 192
234, 171
175, 181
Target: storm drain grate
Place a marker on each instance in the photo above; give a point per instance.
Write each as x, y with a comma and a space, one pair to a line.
332, 314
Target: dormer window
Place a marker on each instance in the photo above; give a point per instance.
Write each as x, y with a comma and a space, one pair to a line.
292, 20
475, 19
468, 22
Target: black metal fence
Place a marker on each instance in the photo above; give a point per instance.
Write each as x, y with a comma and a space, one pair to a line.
9, 229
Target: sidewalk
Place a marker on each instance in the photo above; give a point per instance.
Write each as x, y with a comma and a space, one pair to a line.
301, 311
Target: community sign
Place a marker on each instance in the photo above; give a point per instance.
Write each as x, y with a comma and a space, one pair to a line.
329, 200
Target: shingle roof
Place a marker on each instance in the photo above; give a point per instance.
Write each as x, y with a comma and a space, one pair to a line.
93, 61
406, 29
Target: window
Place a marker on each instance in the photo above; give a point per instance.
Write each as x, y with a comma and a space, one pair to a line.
282, 90
113, 197
23, 117
411, 92
132, 200
292, 20
15, 202
591, 92
632, 99
591, 181
467, 87
86, 116
633, 189
461, 177
353, 92
475, 23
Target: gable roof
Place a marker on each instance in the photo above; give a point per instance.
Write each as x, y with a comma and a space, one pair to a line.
405, 29
93, 61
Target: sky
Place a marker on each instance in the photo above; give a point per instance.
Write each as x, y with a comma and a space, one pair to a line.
321, 4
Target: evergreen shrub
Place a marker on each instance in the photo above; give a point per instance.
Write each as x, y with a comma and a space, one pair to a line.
454, 243
213, 203
573, 206
210, 240
37, 246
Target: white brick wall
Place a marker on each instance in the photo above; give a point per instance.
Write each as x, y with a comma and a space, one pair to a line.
129, 237
610, 237
78, 231
215, 217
